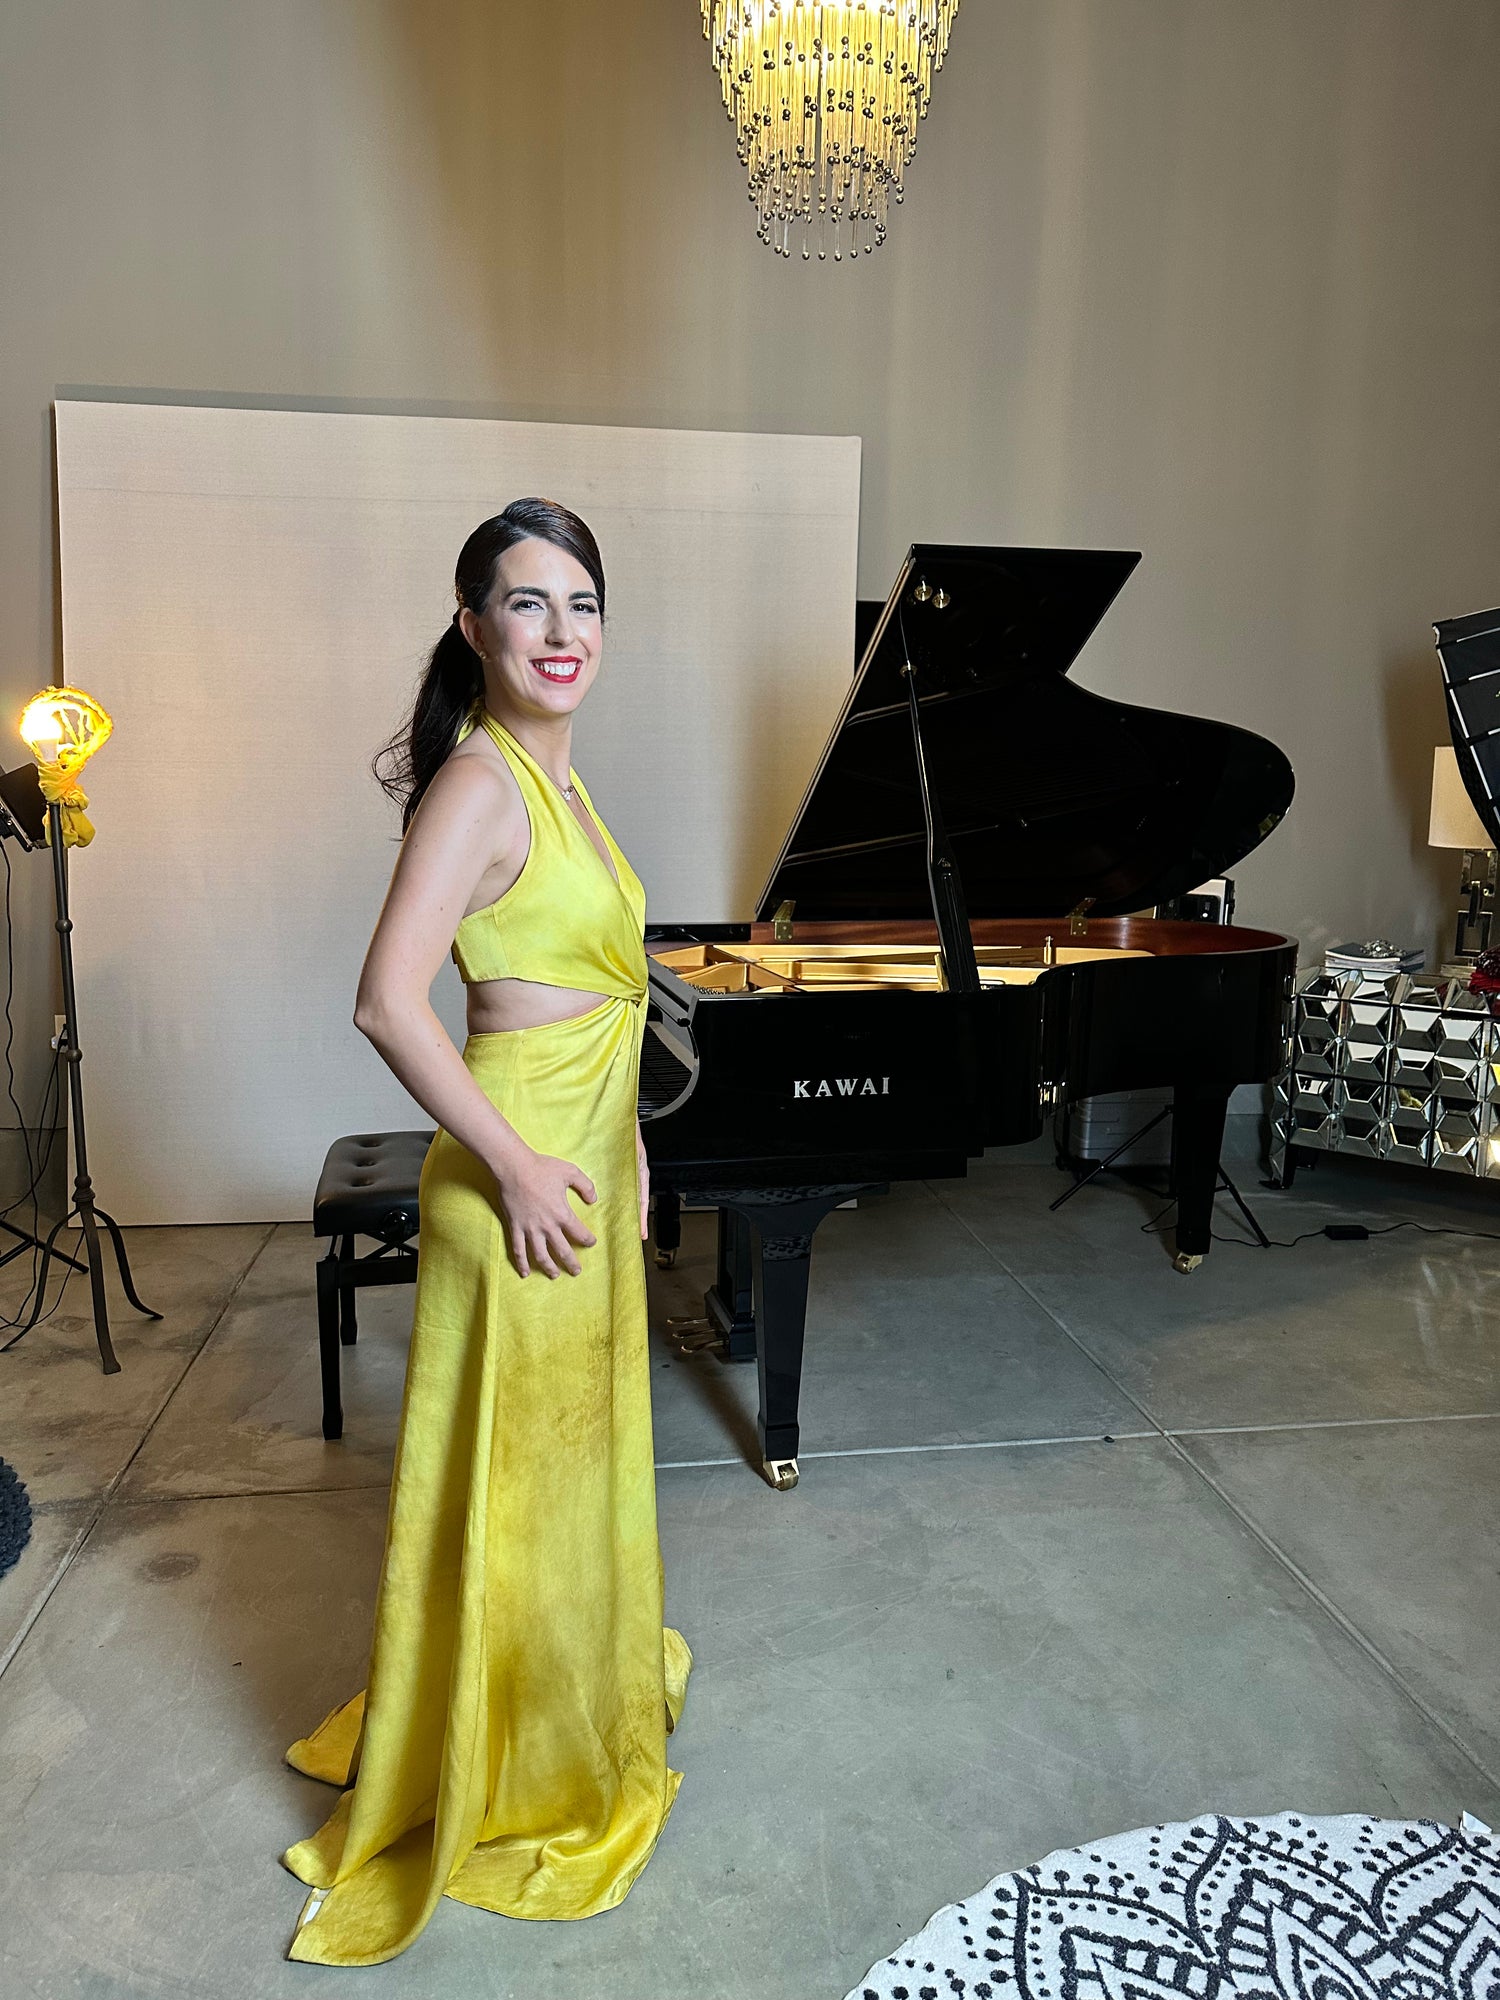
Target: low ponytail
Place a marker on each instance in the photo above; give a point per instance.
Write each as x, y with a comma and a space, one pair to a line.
454, 679
453, 682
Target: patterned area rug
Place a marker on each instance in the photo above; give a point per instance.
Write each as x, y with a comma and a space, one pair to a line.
1289, 1908
15, 1517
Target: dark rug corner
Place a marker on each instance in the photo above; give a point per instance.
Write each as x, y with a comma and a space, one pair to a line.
15, 1517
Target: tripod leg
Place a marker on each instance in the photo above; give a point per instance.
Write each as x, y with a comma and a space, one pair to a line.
96, 1286
1244, 1208
124, 1263
48, 1253
26, 1241
1105, 1164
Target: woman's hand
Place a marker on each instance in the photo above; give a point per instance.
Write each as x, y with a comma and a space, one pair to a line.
539, 1220
643, 1179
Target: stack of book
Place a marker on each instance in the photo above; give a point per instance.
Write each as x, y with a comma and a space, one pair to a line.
1372, 958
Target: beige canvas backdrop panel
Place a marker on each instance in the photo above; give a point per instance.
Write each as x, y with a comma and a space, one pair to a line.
251, 594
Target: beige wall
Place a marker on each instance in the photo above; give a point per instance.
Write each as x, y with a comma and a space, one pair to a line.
1219, 279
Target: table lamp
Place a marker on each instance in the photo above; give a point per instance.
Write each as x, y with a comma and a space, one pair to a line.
1453, 822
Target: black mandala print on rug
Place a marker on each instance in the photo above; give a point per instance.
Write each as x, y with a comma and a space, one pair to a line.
1289, 1908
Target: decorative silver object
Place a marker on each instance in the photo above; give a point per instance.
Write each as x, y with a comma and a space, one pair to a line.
1477, 896
1404, 1067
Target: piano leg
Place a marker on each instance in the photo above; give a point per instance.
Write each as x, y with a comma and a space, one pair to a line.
666, 1225
782, 1264
780, 1224
1198, 1113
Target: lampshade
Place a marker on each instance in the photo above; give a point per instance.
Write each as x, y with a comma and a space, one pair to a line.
1454, 822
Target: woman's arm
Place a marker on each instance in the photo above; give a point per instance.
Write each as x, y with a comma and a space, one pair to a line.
471, 820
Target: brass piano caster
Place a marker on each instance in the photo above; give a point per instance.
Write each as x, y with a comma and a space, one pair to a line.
695, 1336
780, 1473
1185, 1261
666, 1260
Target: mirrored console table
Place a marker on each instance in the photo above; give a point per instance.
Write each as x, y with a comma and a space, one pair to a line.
1405, 1068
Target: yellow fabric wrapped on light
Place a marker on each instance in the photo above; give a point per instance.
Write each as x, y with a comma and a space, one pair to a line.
60, 788
63, 727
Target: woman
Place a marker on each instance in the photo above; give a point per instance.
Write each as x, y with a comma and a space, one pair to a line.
511, 1747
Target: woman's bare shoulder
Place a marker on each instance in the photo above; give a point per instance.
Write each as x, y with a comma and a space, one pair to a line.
474, 776
472, 808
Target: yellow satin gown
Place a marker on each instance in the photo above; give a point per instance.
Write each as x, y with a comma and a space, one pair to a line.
511, 1748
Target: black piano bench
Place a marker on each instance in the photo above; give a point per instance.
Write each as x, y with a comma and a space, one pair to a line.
368, 1187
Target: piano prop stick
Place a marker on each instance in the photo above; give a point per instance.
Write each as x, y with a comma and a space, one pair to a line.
944, 884
953, 941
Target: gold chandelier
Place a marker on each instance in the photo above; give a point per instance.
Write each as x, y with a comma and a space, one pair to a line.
826, 100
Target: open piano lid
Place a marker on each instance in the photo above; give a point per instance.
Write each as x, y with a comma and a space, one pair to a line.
1052, 796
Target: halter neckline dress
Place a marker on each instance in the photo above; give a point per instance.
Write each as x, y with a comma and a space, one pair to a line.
511, 1748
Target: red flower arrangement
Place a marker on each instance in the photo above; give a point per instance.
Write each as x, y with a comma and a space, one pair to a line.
1485, 978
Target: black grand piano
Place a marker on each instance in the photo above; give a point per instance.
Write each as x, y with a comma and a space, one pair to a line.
946, 947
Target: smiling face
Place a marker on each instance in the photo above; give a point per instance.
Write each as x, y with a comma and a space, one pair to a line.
540, 634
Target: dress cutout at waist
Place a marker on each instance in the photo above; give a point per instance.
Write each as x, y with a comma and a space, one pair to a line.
564, 921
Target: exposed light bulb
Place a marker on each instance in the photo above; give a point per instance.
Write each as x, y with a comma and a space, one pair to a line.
41, 730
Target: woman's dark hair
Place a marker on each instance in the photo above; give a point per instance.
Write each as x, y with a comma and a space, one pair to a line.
454, 679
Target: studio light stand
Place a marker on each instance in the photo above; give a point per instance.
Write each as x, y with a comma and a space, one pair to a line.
23, 813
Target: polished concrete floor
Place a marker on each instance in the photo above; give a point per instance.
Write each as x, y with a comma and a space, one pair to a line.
1080, 1544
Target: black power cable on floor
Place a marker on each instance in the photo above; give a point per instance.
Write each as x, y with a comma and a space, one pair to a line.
31, 1193
10, 1026
1336, 1232
22, 1316
1356, 1232
36, 1164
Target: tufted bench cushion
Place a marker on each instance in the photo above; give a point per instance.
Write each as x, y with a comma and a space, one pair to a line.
368, 1186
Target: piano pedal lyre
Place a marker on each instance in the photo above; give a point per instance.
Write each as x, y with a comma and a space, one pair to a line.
695, 1336
780, 1472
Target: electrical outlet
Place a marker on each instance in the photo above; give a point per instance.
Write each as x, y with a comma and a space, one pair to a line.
58, 1023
